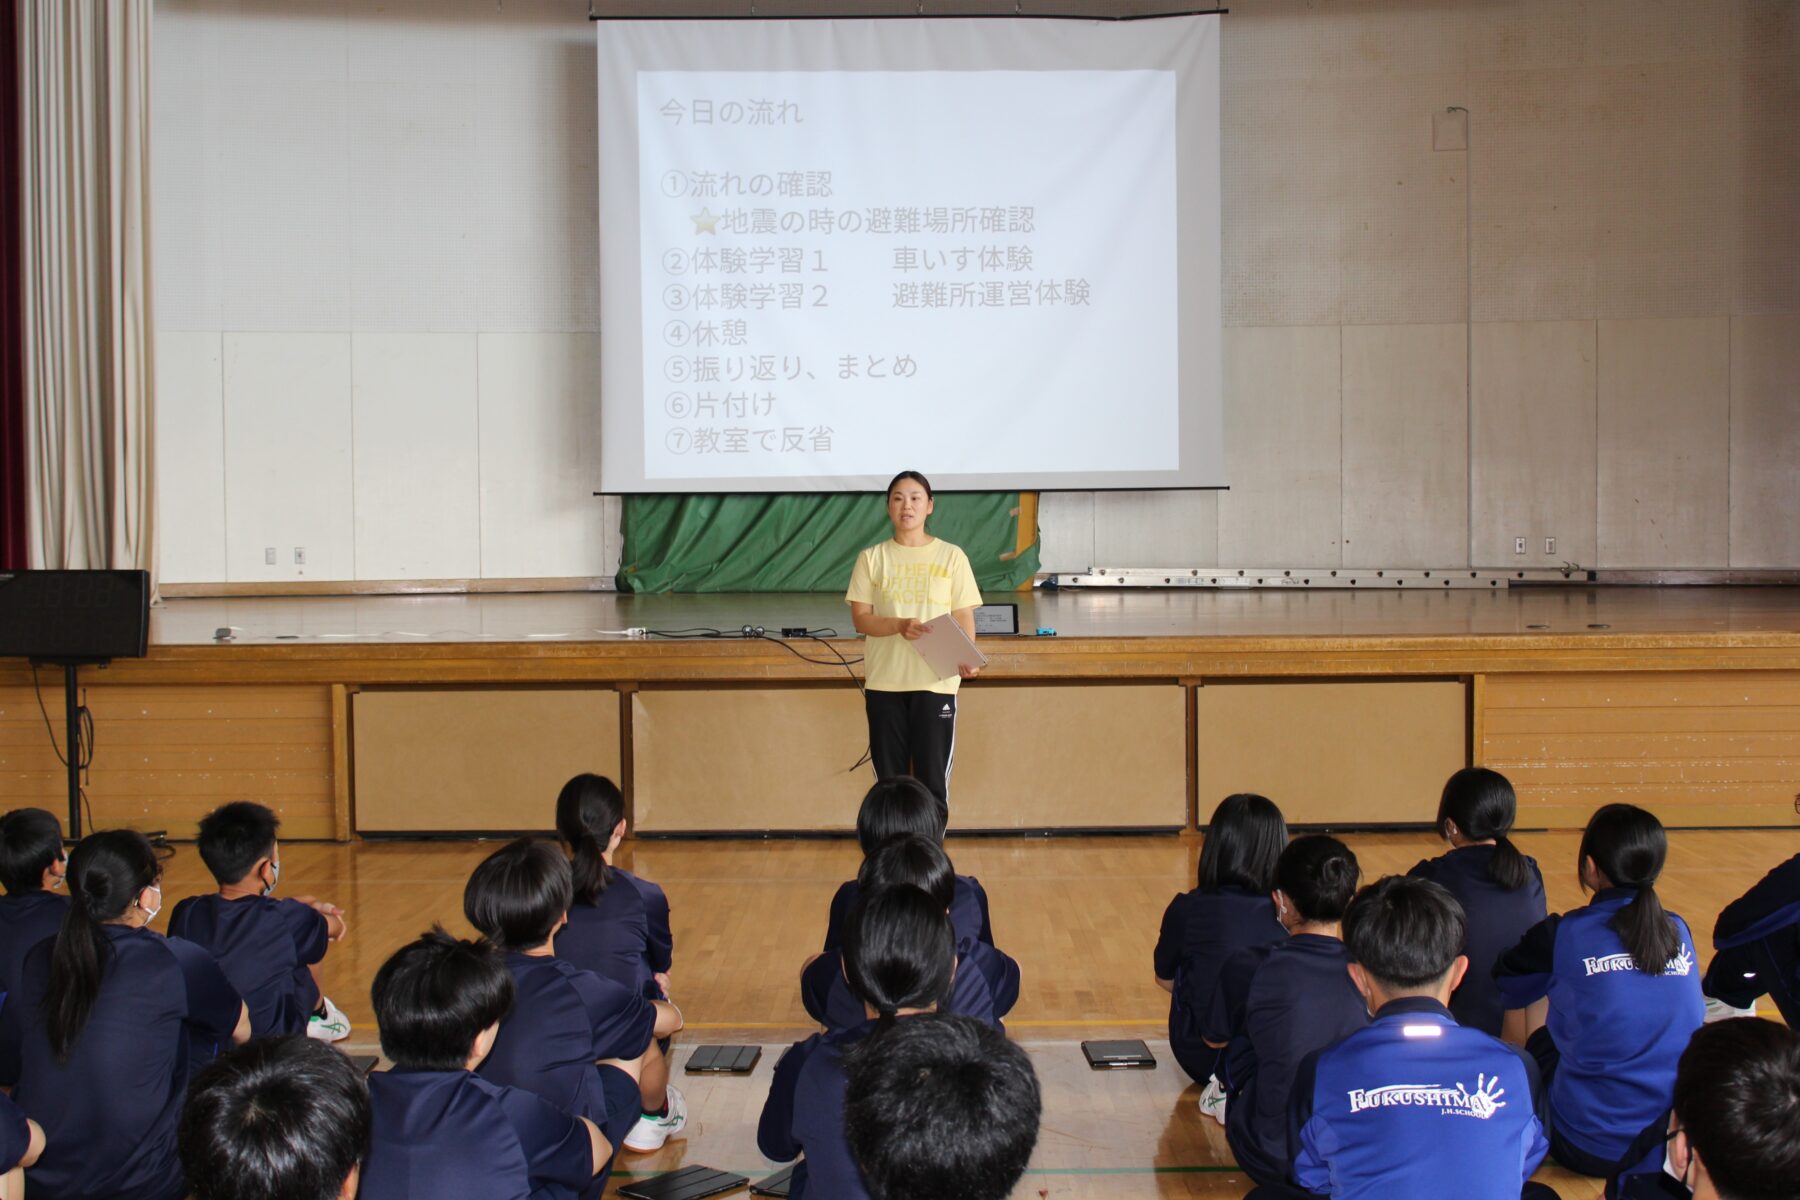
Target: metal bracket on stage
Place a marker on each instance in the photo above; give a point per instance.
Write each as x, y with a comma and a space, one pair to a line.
1360, 578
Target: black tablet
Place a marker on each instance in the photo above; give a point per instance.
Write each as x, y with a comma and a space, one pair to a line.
723, 1060
1121, 1055
689, 1183
774, 1185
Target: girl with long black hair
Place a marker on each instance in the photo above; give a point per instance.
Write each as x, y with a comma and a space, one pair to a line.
110, 1009
618, 924
1501, 890
1606, 996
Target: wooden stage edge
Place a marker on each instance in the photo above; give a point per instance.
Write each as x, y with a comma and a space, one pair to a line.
462, 714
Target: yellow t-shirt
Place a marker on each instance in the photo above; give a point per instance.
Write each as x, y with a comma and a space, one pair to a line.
921, 582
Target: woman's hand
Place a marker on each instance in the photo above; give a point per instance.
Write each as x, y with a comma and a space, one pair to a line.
910, 629
969, 672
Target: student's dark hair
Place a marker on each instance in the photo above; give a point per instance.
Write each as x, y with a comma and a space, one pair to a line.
1405, 932
940, 1106
912, 475
896, 806
910, 858
588, 809
1737, 1094
434, 997
107, 872
1243, 843
234, 836
899, 950
519, 894
274, 1119
1319, 875
1628, 846
30, 840
1482, 804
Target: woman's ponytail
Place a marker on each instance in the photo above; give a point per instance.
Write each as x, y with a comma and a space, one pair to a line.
107, 873
1628, 846
1482, 804
899, 951
588, 809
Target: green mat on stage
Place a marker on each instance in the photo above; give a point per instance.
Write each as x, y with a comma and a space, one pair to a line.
804, 543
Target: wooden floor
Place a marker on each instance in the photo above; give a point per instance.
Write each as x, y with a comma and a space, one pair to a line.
1079, 914
580, 616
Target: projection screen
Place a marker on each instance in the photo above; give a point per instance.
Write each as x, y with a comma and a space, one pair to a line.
986, 249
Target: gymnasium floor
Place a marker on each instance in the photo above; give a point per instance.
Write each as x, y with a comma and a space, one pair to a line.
1079, 914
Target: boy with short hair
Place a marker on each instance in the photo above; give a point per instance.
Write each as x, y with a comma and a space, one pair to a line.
275, 1119
1414, 1105
438, 1128
582, 1041
943, 1106
268, 948
32, 863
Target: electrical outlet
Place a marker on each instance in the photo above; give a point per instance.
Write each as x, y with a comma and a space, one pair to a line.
1518, 545
1550, 546
269, 556
299, 556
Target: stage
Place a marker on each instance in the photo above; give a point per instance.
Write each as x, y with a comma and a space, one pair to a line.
458, 714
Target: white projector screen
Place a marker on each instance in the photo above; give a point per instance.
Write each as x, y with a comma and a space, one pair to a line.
985, 249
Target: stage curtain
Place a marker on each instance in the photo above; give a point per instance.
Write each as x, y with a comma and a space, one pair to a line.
84, 128
12, 370
787, 543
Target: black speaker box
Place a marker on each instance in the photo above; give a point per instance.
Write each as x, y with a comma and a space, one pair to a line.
82, 615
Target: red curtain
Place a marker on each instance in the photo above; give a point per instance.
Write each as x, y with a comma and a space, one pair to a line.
12, 329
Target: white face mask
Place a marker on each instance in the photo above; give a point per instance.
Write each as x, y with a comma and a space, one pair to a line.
274, 877
57, 881
150, 913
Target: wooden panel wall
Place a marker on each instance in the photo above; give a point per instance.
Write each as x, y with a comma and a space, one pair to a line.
1333, 753
1697, 749
476, 759
1027, 758
165, 756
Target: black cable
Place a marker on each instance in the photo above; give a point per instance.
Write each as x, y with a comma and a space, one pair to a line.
38, 687
84, 741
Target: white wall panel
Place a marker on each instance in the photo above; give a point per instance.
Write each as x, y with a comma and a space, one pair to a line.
1155, 529
287, 455
1283, 448
1765, 441
540, 458
418, 469
1066, 531
1405, 446
1532, 449
1665, 443
190, 458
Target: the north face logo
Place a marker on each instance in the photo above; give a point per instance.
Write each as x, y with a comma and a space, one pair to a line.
1456, 1101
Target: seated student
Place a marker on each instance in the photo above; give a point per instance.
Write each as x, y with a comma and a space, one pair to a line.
904, 805
1501, 891
436, 1127
1622, 993
618, 924
1227, 911
21, 1142
943, 1106
268, 948
1277, 1004
109, 1010
1414, 1100
1757, 940
900, 954
581, 1041
275, 1119
32, 865
987, 982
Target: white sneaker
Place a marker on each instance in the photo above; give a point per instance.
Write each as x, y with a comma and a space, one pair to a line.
1718, 1010
651, 1132
1212, 1100
332, 1026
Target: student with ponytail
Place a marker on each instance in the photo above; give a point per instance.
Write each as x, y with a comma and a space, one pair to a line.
900, 960
618, 924
108, 1009
1501, 890
1605, 997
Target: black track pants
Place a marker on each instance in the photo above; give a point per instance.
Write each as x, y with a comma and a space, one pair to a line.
914, 733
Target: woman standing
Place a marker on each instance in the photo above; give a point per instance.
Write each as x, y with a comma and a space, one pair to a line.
895, 588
